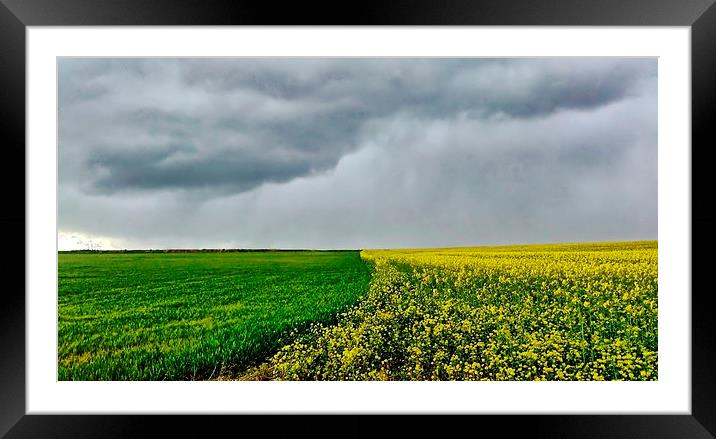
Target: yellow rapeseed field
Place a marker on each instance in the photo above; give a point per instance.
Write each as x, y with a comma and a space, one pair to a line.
536, 312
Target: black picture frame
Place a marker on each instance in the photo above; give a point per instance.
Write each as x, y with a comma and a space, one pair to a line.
16, 15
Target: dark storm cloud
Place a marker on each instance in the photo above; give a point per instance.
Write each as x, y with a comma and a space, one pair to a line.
514, 87
241, 115
158, 168
357, 152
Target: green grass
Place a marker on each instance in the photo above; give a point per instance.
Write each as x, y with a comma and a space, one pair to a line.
179, 316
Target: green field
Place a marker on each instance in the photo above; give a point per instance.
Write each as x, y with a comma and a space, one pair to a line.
183, 316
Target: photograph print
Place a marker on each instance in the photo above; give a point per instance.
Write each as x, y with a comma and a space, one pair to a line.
352, 219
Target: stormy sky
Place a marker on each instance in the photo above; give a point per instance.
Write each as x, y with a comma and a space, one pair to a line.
355, 153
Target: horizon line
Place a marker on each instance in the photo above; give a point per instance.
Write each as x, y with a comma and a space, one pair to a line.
268, 249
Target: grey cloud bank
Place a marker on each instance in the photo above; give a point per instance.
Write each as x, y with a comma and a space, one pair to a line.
357, 153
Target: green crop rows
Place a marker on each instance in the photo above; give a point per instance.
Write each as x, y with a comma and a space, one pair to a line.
179, 316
